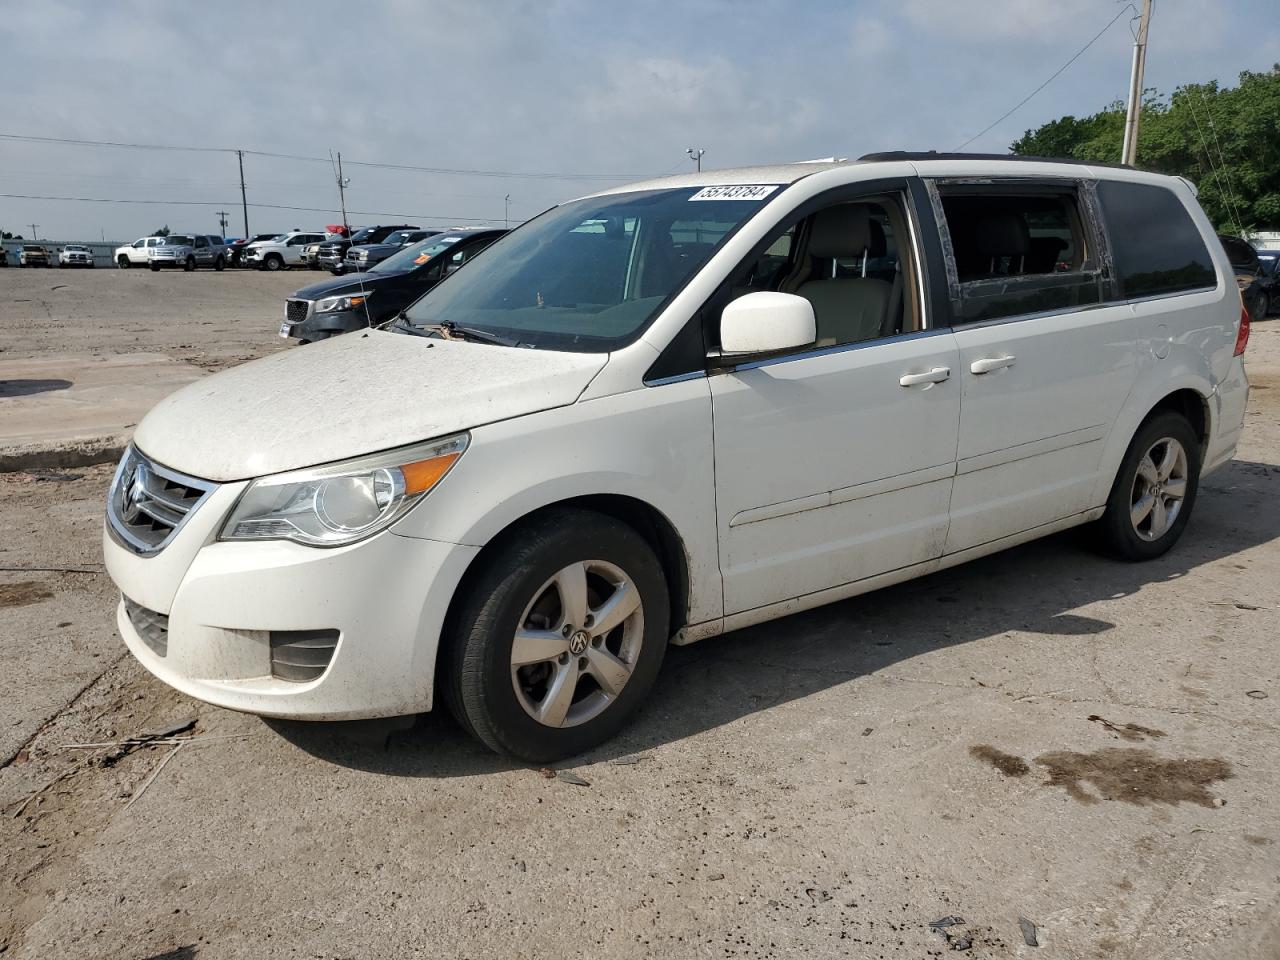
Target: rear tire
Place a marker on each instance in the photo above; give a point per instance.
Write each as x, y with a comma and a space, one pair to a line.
571, 579
1155, 490
155, 268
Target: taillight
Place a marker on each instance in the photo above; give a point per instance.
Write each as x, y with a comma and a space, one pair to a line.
1242, 336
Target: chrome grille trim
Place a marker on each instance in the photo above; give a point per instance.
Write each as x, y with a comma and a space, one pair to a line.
148, 503
296, 311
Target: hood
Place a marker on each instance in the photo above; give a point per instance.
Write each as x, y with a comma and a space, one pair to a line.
350, 396
348, 283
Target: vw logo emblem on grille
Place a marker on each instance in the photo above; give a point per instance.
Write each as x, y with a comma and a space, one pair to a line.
135, 492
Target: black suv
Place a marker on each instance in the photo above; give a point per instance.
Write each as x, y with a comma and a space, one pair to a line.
1252, 279
333, 252
344, 304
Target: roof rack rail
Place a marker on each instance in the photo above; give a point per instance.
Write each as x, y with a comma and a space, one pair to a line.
888, 155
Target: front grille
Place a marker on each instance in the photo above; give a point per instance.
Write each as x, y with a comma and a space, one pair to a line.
152, 627
295, 311
148, 502
301, 655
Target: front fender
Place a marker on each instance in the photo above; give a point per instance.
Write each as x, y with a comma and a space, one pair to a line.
652, 444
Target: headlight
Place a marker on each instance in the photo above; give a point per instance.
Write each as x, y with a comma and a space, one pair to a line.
334, 304
343, 502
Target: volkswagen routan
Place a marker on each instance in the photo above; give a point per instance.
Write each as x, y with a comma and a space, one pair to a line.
674, 409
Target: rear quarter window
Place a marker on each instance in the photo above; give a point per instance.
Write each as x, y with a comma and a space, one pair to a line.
1155, 244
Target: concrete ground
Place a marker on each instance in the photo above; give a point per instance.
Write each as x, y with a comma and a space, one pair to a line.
1043, 735
87, 352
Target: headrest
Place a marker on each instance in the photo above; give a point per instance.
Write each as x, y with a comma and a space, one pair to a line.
879, 246
840, 232
1002, 235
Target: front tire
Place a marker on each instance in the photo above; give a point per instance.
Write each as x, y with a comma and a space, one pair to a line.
189, 265
559, 640
219, 264
1155, 491
122, 262
273, 263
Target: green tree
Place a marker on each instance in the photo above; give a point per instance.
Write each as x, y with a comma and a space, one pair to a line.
1226, 141
162, 232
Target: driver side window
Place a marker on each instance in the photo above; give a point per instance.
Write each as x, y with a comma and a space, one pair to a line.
851, 262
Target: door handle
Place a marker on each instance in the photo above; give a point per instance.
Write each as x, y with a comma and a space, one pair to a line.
936, 375
987, 364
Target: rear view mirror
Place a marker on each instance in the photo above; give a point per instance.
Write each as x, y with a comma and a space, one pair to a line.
766, 322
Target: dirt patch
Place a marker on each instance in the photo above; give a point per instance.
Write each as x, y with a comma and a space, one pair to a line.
21, 594
1257, 841
1129, 731
1134, 775
1006, 763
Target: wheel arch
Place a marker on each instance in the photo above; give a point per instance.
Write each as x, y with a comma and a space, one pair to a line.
648, 521
1188, 396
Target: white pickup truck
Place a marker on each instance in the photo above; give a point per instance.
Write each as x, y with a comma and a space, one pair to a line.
280, 252
136, 254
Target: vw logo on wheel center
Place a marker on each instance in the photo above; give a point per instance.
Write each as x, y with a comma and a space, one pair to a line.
578, 642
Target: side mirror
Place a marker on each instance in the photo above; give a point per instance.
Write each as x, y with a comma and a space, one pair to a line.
766, 322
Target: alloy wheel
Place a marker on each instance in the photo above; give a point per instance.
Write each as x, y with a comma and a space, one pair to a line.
577, 643
1159, 489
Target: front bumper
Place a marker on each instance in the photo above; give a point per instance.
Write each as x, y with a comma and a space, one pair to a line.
386, 597
321, 325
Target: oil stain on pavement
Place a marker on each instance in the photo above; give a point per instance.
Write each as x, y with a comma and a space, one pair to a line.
21, 594
1134, 775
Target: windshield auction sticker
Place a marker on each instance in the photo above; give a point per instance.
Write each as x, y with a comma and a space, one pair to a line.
735, 191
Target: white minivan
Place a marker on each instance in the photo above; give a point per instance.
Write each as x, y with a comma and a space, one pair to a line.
671, 410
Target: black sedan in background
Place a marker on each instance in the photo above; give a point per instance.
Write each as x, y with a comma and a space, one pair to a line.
367, 299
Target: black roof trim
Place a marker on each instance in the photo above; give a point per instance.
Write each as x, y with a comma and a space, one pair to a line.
1015, 157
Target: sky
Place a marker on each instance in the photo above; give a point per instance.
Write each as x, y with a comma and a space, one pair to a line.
559, 97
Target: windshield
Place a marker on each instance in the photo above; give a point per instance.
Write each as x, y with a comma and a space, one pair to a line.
76, 248
362, 236
416, 254
177, 240
590, 275
397, 238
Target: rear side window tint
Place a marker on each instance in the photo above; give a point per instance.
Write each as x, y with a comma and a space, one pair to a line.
1154, 242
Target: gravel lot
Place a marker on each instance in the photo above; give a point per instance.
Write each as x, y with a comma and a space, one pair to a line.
1043, 734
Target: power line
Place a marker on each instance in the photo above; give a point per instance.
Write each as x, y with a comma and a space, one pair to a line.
450, 171
1055, 76
263, 206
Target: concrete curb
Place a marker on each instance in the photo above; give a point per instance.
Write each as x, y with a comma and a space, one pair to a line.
82, 452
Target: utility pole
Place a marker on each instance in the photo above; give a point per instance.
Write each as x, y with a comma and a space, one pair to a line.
244, 204
222, 221
696, 156
506, 210
34, 228
1129, 154
342, 194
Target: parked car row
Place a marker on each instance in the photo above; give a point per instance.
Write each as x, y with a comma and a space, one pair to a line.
185, 250
371, 297
38, 255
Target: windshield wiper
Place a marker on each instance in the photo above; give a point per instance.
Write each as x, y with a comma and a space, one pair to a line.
401, 323
448, 330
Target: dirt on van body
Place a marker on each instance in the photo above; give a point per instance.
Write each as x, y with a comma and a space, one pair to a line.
900, 775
